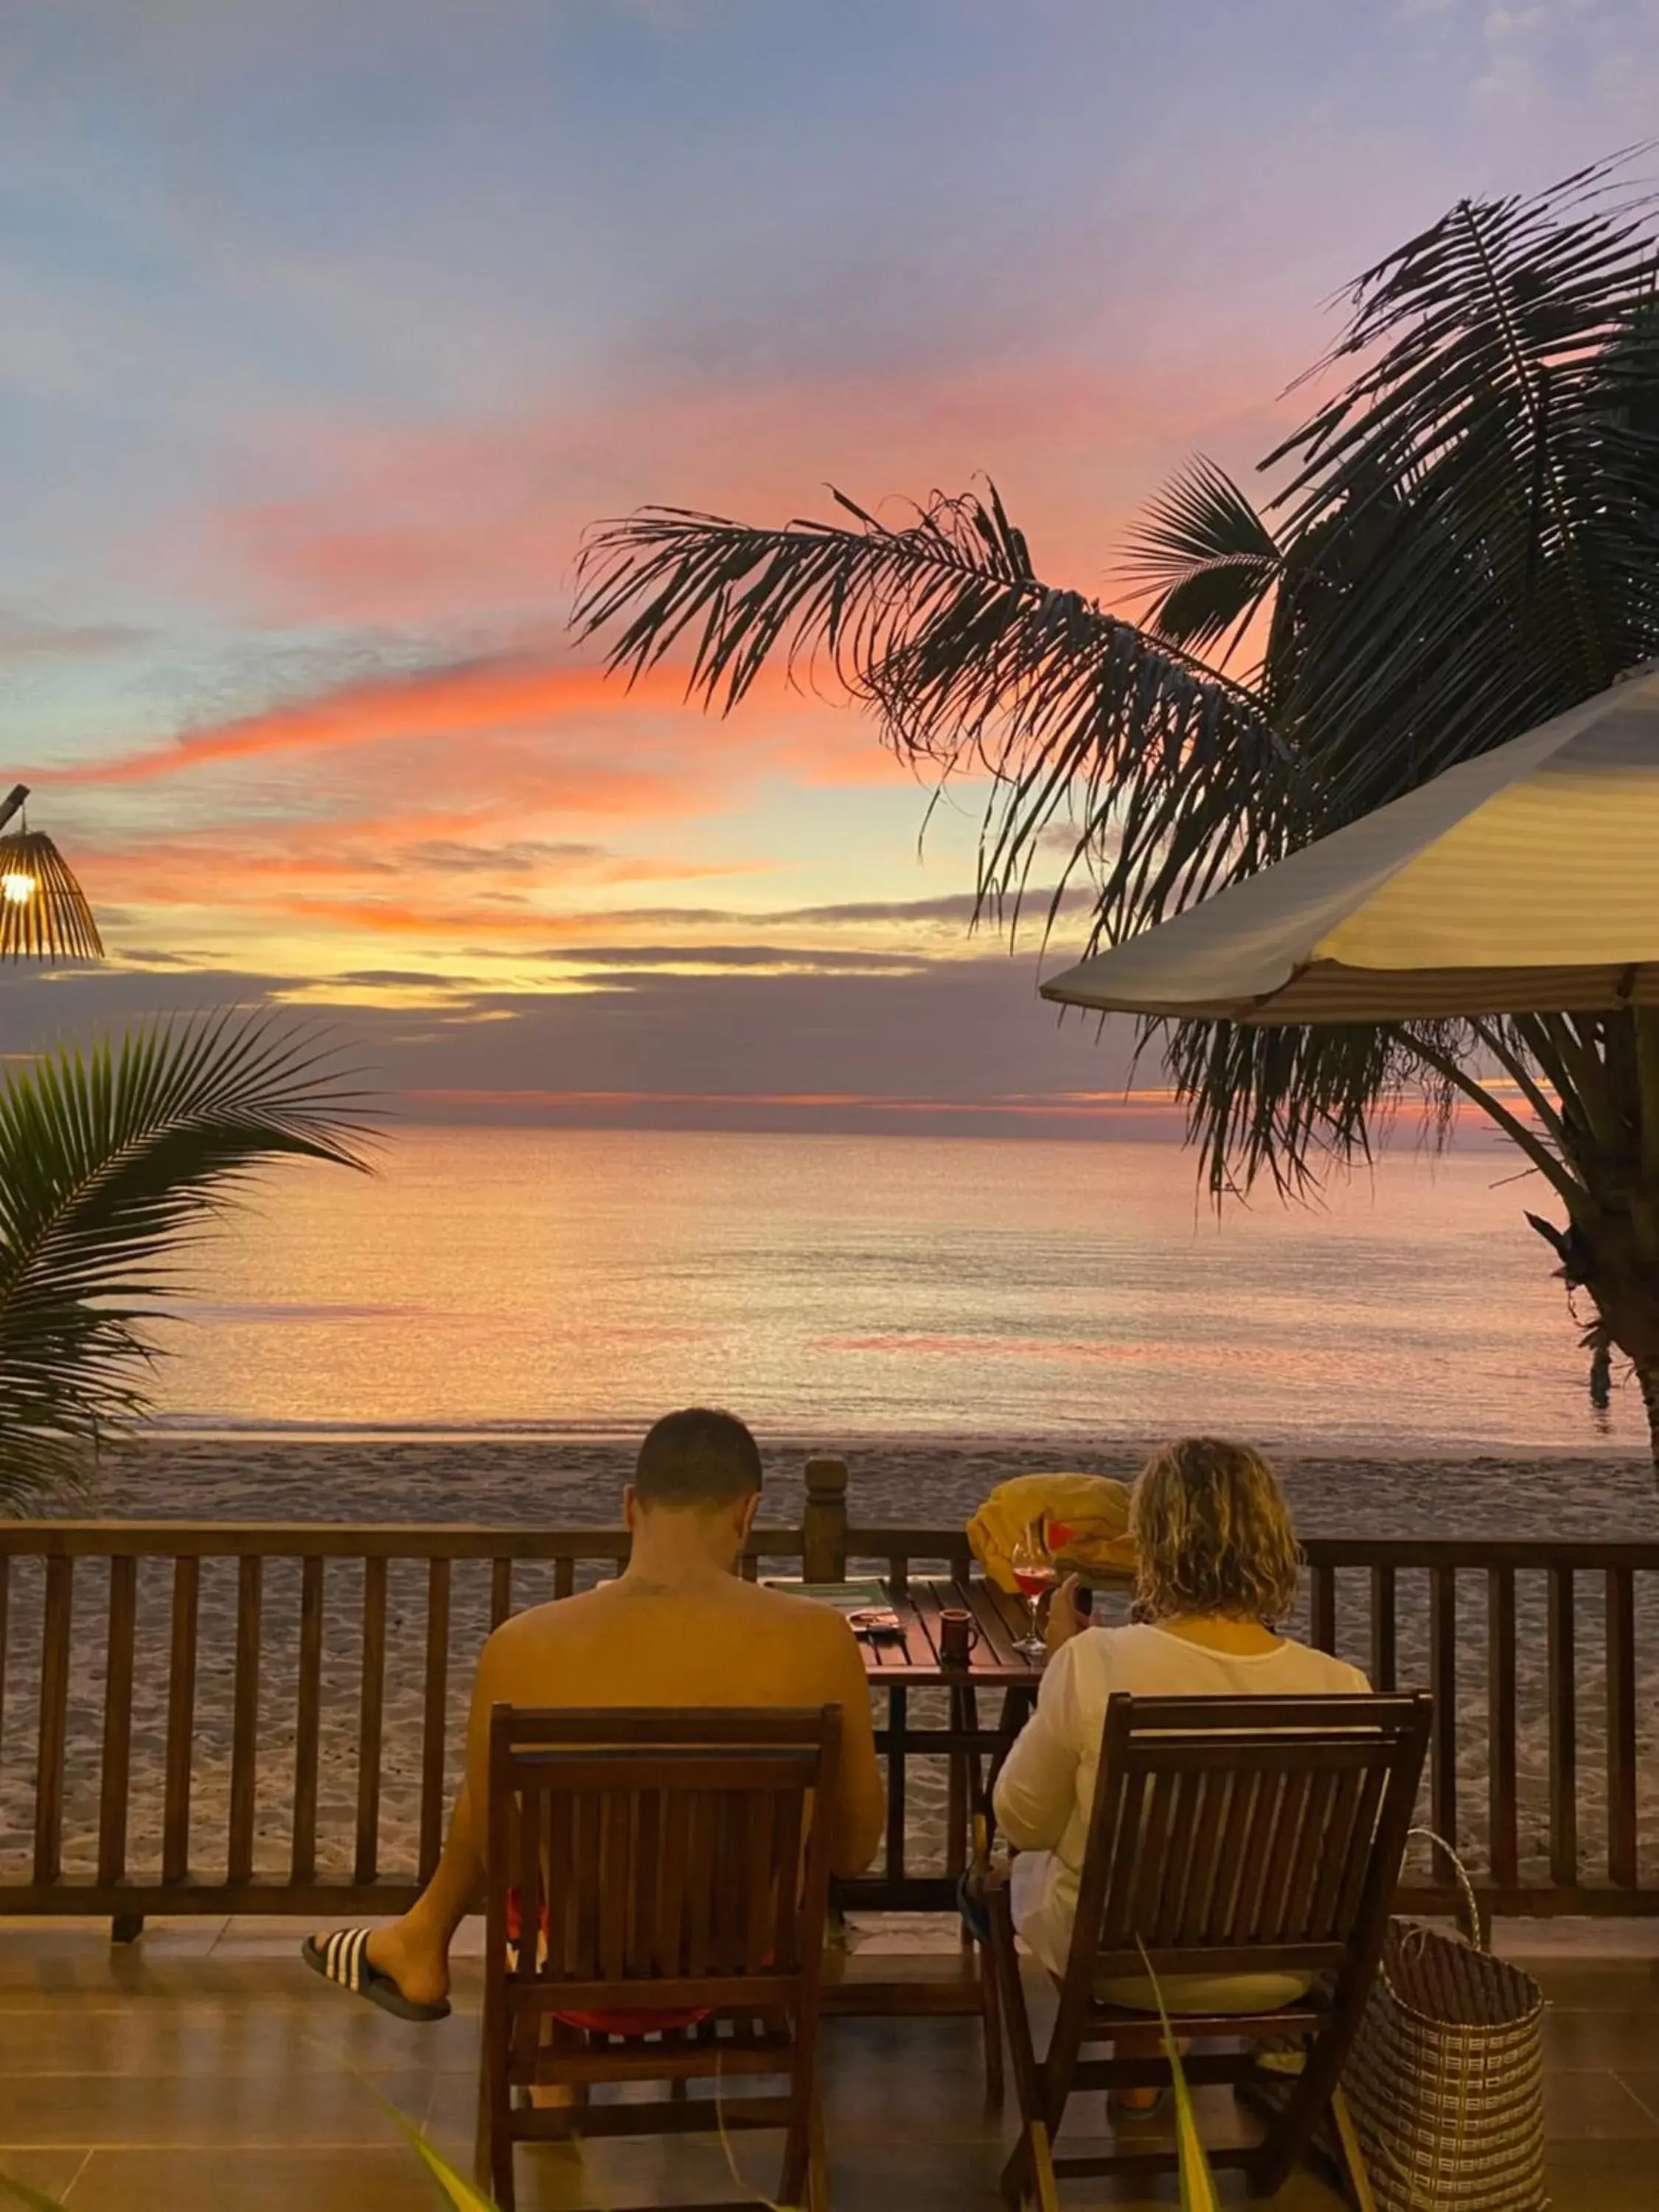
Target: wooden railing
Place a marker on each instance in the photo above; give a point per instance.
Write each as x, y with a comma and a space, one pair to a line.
1543, 1659
268, 1718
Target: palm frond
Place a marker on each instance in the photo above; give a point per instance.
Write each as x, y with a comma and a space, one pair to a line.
1487, 485
1204, 559
1287, 1103
1471, 535
1156, 771
110, 1162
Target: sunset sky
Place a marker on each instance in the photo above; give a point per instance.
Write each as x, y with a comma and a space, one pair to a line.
325, 329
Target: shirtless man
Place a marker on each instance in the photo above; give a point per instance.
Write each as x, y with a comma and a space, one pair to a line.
677, 1627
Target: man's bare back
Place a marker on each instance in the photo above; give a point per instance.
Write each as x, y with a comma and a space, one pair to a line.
719, 1641
679, 1627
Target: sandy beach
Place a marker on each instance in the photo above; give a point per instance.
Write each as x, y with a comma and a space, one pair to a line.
519, 1482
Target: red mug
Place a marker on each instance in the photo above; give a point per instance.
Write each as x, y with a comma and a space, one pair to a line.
958, 1635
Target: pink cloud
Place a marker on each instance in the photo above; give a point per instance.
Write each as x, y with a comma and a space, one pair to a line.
475, 526
436, 522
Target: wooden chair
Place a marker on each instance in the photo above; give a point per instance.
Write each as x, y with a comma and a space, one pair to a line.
1230, 1836
677, 1863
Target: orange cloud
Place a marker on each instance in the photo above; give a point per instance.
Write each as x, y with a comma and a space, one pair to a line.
394, 890
517, 742
155, 871
449, 704
365, 807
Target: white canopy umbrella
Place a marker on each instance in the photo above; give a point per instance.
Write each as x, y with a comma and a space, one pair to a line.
1525, 881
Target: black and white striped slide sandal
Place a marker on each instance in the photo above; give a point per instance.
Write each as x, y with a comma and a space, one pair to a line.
343, 1958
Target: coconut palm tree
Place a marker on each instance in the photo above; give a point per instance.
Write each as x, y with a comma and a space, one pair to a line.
110, 1161
1459, 540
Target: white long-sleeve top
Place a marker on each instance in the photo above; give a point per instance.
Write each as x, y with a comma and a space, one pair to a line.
1046, 1790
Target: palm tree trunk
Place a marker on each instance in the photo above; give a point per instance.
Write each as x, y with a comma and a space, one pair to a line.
1626, 1290
1626, 1297
1647, 1374
1582, 1144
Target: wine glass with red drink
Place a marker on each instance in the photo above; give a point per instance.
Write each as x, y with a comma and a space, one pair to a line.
1034, 1575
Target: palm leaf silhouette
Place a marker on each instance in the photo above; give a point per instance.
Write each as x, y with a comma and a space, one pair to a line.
1136, 760
111, 1162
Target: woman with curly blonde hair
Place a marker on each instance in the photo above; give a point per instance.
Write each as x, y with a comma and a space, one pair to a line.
1216, 1570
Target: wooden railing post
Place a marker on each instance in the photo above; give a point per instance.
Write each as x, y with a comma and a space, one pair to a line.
245, 1721
1503, 1706
1443, 1680
117, 1723
371, 1713
1385, 1630
1564, 1730
1322, 1603
181, 1718
307, 1723
823, 1522
53, 1737
1623, 1821
436, 1713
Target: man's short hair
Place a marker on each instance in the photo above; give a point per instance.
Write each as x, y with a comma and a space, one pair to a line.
700, 1457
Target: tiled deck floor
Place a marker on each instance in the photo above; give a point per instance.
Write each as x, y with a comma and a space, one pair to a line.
203, 2070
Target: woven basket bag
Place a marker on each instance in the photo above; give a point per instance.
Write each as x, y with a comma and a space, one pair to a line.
1446, 2078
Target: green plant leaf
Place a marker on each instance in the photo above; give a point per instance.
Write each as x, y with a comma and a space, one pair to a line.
1198, 2190
459, 2192
112, 1161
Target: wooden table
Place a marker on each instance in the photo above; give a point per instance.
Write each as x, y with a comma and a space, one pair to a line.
911, 1661
936, 1982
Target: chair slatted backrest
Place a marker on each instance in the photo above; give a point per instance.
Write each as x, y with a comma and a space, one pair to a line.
667, 1859
1245, 1835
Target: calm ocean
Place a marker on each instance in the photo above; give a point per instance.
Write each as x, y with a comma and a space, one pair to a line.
578, 1280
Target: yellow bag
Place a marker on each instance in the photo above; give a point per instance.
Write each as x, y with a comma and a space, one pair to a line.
1085, 1520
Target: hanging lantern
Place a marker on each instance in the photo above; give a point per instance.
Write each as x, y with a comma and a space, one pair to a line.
43, 914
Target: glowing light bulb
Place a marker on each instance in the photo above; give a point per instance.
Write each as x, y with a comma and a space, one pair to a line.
19, 889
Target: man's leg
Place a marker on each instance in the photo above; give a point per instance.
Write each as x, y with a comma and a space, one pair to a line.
415, 1949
